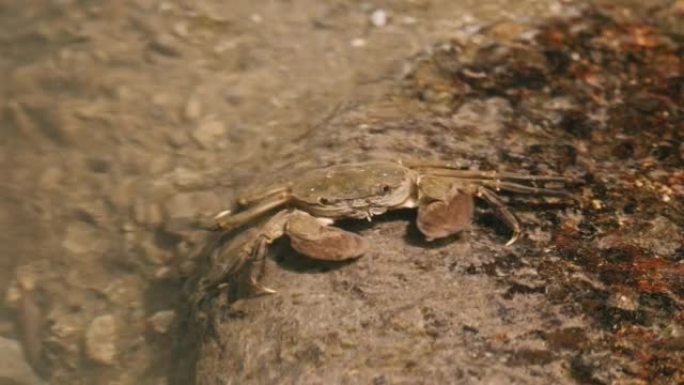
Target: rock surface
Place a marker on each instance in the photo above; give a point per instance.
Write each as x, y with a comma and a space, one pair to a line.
598, 285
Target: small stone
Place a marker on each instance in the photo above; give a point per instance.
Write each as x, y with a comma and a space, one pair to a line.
13, 366
138, 211
177, 138
358, 43
193, 108
51, 177
623, 301
187, 178
146, 214
160, 164
154, 215
100, 340
161, 321
379, 18
209, 132
179, 206
256, 18
408, 20
155, 255
166, 45
79, 238
181, 29
163, 273
92, 212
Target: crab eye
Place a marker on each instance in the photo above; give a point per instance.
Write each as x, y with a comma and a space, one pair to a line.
323, 201
385, 188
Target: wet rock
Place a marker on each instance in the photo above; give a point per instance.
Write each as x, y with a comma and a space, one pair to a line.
161, 321
663, 237
13, 367
100, 340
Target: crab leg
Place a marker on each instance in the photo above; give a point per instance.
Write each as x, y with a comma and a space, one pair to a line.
488, 175
248, 199
226, 262
225, 221
519, 188
502, 212
242, 253
443, 168
307, 235
259, 256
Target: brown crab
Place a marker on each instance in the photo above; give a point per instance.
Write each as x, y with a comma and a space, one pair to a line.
442, 193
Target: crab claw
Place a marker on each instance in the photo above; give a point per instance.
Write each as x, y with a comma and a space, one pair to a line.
514, 237
258, 288
222, 214
263, 290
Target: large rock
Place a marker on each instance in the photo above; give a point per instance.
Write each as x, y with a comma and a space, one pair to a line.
14, 369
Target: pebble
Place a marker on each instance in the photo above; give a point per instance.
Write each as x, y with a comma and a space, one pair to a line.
409, 20
624, 301
358, 43
51, 177
155, 255
146, 214
193, 109
379, 18
100, 340
256, 18
180, 205
161, 321
79, 238
177, 138
166, 45
187, 178
209, 132
181, 29
13, 366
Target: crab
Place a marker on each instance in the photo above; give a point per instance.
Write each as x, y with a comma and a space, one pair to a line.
305, 209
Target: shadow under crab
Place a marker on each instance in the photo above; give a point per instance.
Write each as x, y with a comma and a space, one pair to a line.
305, 210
